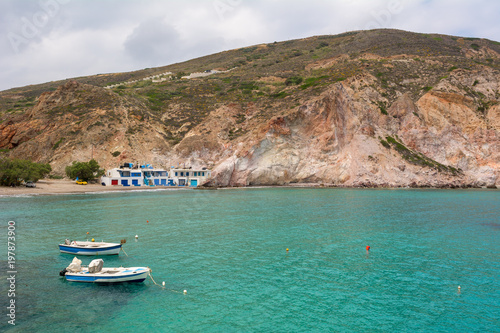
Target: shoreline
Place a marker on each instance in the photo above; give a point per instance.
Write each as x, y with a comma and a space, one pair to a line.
65, 186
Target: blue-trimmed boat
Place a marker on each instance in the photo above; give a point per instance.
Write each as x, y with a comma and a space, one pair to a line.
89, 248
96, 273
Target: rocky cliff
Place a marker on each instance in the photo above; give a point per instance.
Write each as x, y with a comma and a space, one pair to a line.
380, 108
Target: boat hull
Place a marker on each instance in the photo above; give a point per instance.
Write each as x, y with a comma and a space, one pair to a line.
133, 274
91, 250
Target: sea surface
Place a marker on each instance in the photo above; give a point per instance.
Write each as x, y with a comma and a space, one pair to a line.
228, 250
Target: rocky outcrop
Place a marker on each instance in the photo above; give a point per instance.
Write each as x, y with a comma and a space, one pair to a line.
336, 140
350, 112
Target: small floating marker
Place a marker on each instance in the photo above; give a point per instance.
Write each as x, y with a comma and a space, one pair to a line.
163, 283
93, 240
286, 249
87, 232
136, 236
459, 288
368, 248
147, 221
185, 291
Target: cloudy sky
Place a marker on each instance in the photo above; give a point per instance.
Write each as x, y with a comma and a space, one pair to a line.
46, 40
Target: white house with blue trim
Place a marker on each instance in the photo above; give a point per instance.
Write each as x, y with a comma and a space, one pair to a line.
189, 177
129, 174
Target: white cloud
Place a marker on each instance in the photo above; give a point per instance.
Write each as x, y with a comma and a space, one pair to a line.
85, 37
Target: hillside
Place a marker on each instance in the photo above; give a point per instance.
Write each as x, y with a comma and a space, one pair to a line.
370, 108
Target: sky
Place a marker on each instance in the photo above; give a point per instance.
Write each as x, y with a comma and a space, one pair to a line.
48, 40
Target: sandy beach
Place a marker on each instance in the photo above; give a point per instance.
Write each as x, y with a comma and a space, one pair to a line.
65, 186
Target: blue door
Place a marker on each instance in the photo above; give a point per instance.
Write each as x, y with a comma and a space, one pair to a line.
135, 182
125, 182
194, 182
164, 182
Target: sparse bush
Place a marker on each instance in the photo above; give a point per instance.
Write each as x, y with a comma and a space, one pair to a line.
385, 143
56, 145
15, 171
322, 44
84, 170
293, 80
312, 81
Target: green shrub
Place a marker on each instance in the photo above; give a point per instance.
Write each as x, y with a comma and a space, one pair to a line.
312, 81
84, 170
281, 94
293, 80
385, 143
56, 145
116, 153
249, 86
322, 44
15, 171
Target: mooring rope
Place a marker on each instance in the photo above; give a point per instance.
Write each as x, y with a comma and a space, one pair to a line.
163, 287
124, 251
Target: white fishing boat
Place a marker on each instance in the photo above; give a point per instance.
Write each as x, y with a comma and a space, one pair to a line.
95, 272
90, 248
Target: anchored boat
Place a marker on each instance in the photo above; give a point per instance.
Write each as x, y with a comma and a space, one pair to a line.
90, 248
95, 272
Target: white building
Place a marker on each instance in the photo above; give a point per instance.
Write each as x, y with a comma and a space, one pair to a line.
145, 175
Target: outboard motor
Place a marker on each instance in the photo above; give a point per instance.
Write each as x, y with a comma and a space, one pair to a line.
67, 242
63, 272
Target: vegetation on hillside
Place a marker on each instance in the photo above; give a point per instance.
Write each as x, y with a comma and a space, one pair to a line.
257, 82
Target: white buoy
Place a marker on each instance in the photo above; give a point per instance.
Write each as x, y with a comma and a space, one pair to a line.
163, 283
136, 236
185, 291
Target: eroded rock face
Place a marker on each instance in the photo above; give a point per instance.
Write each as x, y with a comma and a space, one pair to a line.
336, 139
349, 133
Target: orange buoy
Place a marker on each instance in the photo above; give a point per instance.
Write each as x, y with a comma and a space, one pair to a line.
286, 249
147, 221
368, 248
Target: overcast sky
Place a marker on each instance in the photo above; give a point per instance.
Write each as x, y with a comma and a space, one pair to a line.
49, 40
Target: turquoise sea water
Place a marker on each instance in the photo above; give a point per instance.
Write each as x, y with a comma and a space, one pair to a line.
227, 249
